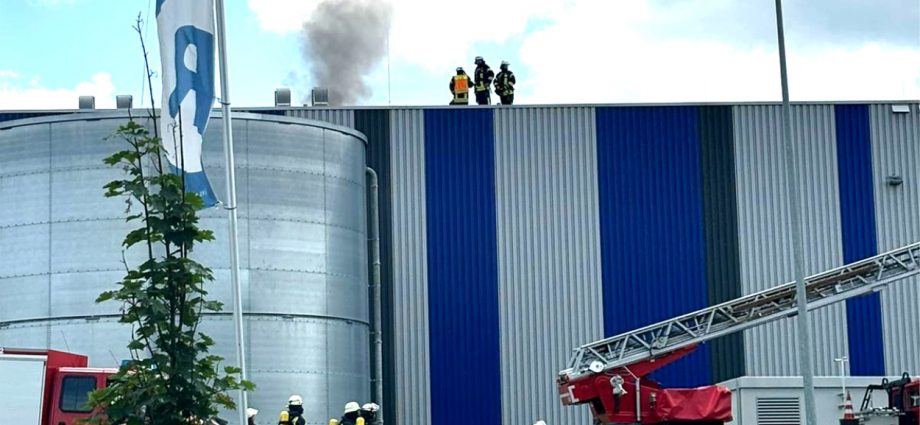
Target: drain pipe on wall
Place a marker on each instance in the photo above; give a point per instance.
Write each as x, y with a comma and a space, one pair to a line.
373, 238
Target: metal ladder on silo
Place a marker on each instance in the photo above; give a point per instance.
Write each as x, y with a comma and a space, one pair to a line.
653, 341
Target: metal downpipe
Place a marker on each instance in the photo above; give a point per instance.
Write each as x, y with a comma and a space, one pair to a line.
373, 239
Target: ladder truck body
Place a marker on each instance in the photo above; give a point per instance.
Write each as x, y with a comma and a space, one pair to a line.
611, 375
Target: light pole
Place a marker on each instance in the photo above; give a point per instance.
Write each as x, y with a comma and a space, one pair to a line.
795, 215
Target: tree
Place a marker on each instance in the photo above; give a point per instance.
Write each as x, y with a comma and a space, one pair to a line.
171, 377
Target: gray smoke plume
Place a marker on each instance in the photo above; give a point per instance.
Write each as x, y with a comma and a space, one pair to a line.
344, 41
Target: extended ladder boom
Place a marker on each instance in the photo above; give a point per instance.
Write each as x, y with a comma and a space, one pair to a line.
826, 288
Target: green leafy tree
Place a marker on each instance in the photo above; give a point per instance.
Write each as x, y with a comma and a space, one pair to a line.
171, 377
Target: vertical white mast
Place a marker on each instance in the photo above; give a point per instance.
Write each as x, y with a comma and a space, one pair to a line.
231, 205
795, 215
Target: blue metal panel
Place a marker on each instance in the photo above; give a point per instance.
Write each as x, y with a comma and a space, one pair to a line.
651, 208
462, 267
857, 221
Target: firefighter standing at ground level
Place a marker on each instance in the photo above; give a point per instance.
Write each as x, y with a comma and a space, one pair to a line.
460, 88
294, 414
482, 79
369, 412
352, 413
504, 84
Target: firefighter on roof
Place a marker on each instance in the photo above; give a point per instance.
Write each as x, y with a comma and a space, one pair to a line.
504, 84
460, 88
483, 77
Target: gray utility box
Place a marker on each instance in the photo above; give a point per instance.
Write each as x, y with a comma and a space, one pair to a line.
778, 400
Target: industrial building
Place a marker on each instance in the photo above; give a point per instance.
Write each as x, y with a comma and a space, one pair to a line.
510, 235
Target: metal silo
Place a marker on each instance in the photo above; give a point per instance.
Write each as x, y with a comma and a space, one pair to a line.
303, 252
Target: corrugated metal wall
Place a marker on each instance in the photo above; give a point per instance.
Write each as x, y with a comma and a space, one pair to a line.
462, 271
343, 117
410, 267
554, 170
857, 217
763, 220
896, 152
720, 227
652, 244
375, 124
548, 254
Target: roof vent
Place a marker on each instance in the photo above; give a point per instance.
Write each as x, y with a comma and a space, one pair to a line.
124, 101
900, 109
87, 102
320, 96
282, 97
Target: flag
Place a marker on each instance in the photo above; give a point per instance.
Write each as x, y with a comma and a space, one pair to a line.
187, 46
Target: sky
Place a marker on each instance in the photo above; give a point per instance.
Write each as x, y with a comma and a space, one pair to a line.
562, 51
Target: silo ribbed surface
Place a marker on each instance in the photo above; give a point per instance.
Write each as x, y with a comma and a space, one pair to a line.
302, 236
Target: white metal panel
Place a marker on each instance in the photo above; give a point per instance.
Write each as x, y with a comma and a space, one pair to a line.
763, 221
896, 152
26, 199
343, 117
29, 295
22, 381
771, 400
549, 262
410, 267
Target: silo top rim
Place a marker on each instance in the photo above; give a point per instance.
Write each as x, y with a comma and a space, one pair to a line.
111, 115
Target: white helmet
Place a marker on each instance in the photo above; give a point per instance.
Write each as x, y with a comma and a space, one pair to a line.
251, 413
352, 406
539, 423
295, 400
370, 407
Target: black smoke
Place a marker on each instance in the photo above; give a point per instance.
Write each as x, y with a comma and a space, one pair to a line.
344, 41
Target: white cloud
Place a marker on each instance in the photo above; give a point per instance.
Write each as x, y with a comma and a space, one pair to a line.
596, 52
282, 16
36, 96
5, 73
638, 50
434, 34
440, 35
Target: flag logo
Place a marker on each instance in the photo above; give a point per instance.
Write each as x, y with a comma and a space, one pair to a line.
186, 35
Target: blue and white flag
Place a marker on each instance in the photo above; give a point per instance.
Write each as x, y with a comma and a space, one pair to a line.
186, 32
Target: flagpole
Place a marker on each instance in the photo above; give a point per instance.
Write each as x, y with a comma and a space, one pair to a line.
798, 247
231, 205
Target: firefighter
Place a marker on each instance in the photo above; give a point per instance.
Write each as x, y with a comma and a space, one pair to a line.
251, 415
294, 413
352, 413
504, 84
483, 77
369, 412
460, 88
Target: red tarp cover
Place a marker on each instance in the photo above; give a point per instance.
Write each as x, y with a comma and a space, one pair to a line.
712, 403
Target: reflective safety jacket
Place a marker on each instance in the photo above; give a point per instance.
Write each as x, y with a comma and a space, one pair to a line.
460, 87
